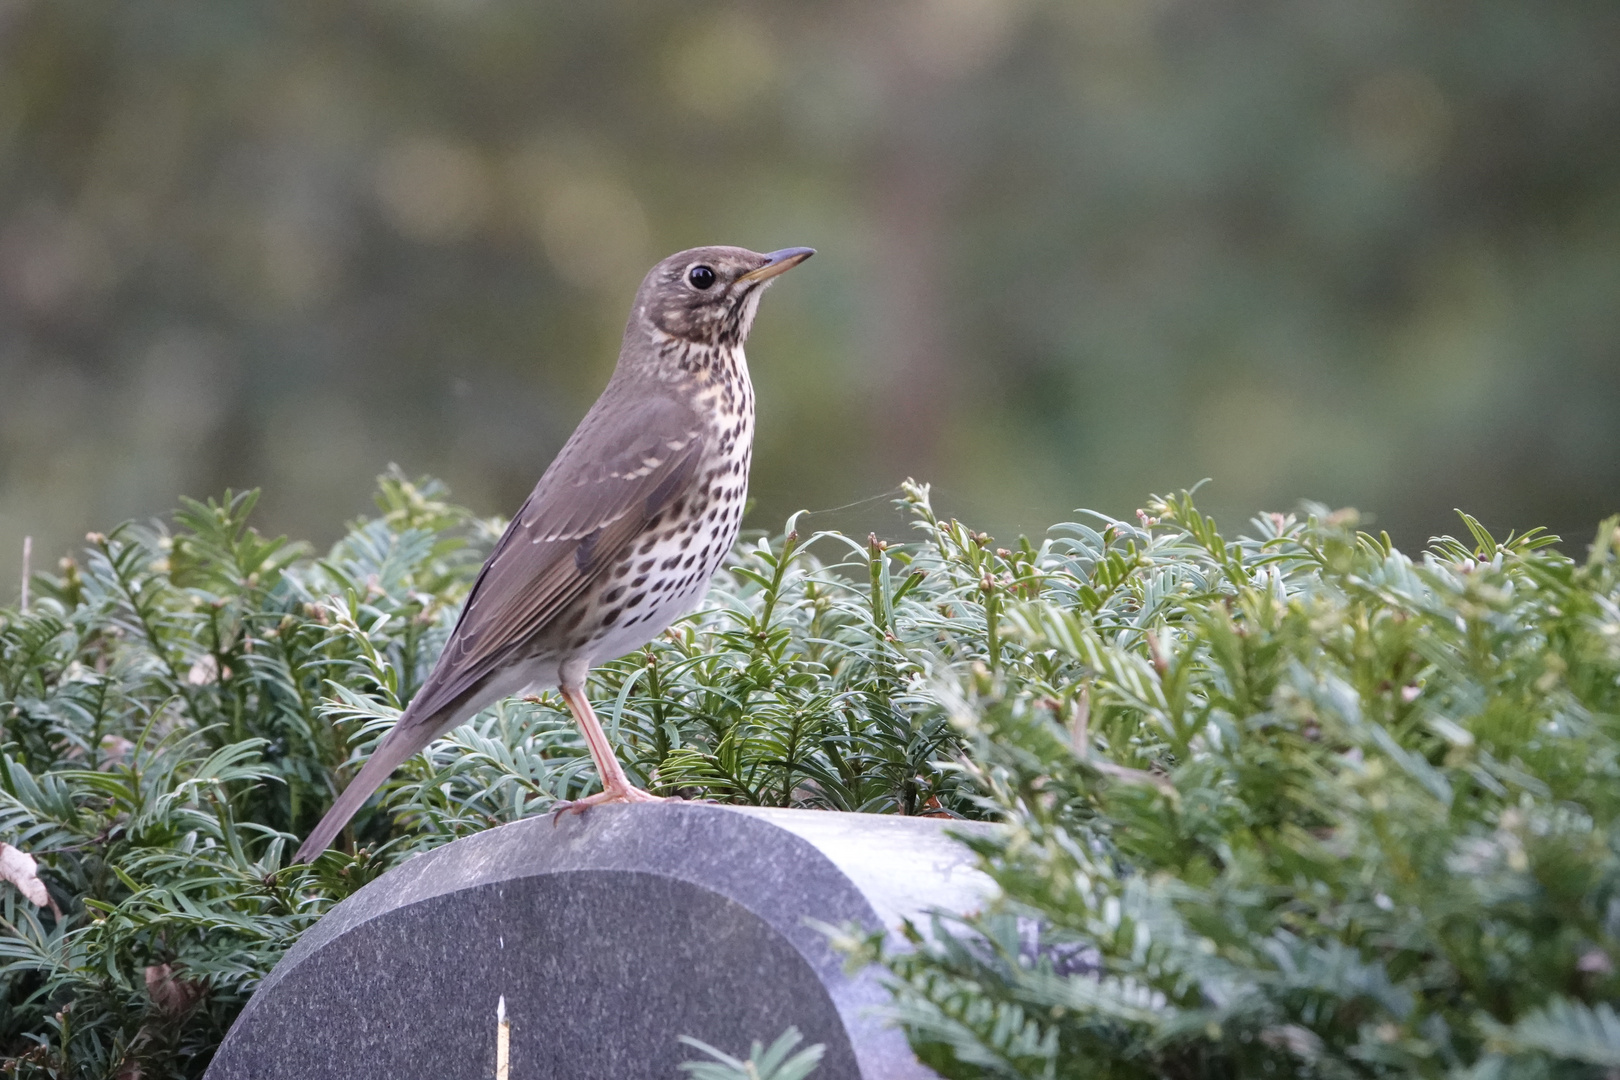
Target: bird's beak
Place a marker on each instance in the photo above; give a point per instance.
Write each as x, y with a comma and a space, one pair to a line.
777, 262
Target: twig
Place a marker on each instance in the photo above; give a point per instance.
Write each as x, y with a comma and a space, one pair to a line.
1136, 776
1159, 664
1080, 730
28, 554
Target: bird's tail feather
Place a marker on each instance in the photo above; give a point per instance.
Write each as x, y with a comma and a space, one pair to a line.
394, 749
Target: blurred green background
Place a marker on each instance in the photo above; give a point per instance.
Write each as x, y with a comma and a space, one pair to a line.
1363, 252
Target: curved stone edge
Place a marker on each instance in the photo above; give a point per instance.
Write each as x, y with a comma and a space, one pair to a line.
875, 851
853, 865
674, 839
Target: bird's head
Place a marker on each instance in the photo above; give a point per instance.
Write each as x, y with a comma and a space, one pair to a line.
708, 295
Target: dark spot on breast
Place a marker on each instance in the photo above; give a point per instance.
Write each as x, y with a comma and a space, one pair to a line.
639, 582
612, 594
687, 542
647, 545
647, 565
610, 618
690, 559
670, 563
635, 600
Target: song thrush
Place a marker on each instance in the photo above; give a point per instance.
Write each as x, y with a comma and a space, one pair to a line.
621, 534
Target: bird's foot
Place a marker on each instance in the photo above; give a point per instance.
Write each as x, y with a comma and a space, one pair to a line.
625, 794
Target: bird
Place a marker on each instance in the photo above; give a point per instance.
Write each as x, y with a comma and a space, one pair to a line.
623, 531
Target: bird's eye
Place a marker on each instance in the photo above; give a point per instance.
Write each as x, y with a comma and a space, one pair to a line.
701, 277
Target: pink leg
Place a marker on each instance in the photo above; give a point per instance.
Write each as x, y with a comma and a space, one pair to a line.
616, 787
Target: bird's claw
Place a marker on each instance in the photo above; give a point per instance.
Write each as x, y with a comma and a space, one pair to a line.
626, 794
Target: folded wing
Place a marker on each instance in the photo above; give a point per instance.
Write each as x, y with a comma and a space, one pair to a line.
644, 455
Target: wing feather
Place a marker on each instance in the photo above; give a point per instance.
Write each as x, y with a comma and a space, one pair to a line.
607, 483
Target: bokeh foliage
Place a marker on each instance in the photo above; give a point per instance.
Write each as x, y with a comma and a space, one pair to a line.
1294, 805
1364, 253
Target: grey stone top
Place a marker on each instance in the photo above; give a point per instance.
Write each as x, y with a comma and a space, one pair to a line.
602, 937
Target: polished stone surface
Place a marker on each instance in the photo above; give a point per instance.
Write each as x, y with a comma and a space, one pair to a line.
605, 936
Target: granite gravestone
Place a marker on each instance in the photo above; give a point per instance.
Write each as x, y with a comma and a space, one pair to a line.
582, 949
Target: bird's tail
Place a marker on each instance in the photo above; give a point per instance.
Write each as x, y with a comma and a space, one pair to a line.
394, 749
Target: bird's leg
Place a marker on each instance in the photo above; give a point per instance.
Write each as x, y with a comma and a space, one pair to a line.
616, 787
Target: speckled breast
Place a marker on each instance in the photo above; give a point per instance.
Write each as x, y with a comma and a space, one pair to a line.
665, 572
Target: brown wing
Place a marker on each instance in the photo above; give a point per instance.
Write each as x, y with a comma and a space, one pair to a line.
626, 462
622, 467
